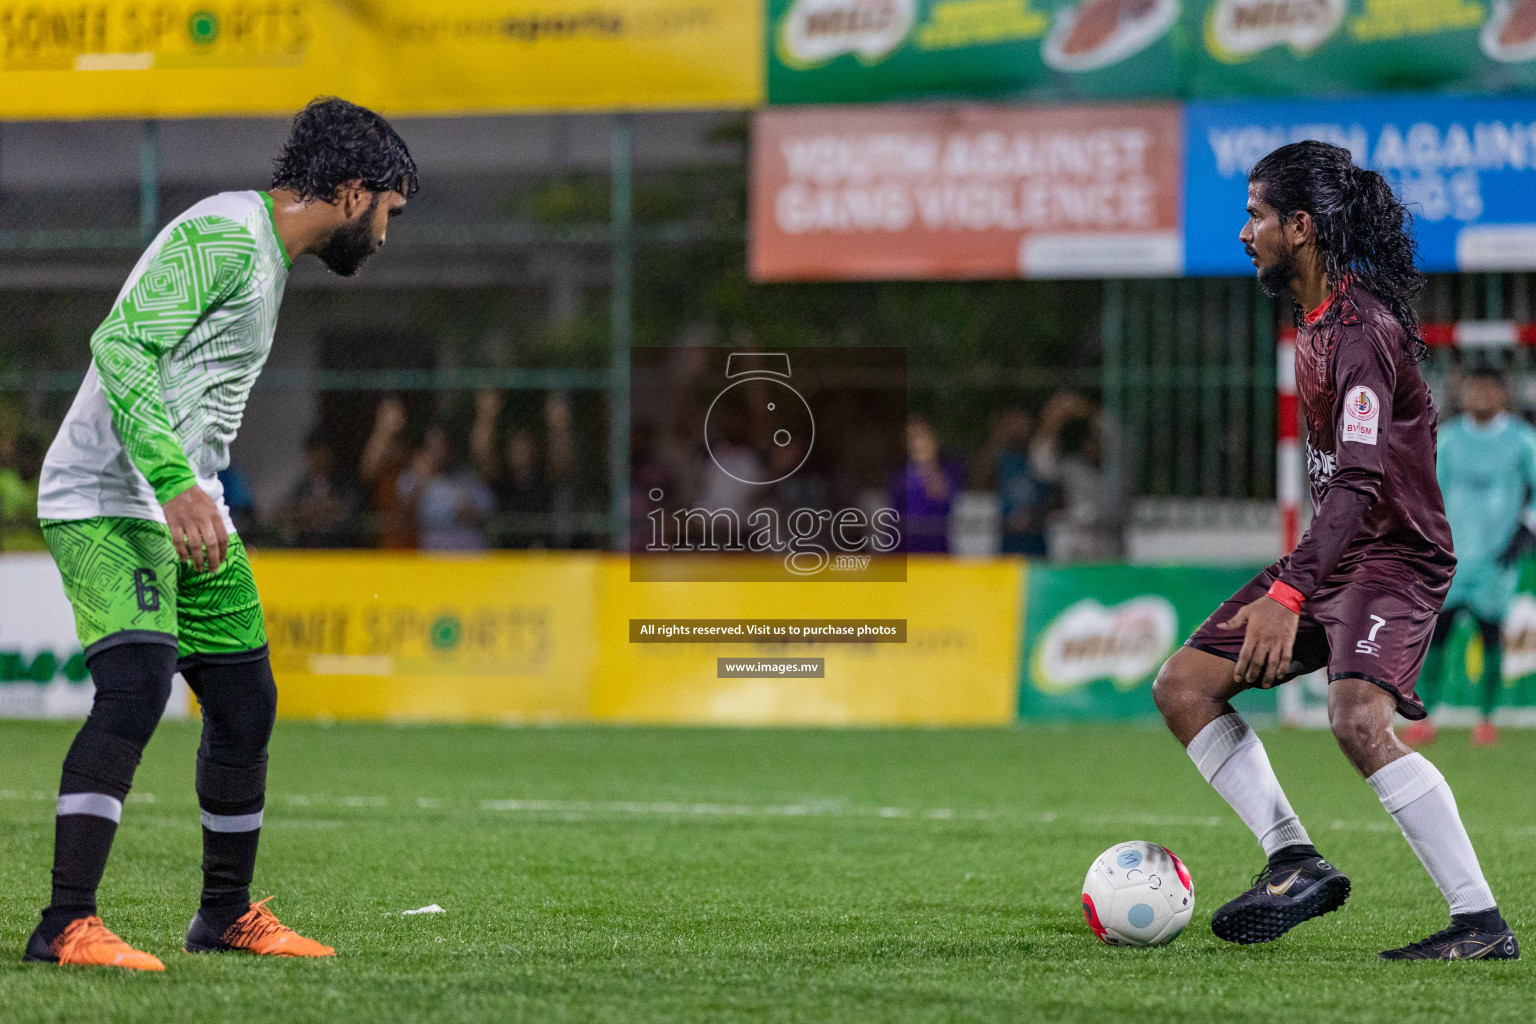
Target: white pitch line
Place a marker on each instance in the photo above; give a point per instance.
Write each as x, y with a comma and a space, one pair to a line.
582, 810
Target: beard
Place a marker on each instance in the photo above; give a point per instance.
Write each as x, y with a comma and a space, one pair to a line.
351, 244
1278, 275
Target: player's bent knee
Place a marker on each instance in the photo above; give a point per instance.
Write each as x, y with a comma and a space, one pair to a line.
133, 685
1166, 693
239, 706
1181, 684
1356, 729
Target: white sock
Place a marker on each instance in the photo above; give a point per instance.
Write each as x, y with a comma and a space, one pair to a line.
1232, 759
1417, 796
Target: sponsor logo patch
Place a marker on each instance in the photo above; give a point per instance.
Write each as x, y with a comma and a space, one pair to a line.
1362, 412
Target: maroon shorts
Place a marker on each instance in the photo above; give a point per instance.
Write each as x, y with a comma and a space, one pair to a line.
1367, 629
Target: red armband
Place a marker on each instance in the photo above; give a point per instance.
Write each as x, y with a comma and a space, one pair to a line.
1286, 595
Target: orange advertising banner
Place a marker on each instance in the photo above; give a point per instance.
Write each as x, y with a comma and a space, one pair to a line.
903, 193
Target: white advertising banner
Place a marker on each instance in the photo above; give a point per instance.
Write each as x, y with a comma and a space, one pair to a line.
42, 668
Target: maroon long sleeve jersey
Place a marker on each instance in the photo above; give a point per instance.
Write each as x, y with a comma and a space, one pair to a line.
1378, 517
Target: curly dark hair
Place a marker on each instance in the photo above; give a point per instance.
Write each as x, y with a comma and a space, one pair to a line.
333, 142
1364, 232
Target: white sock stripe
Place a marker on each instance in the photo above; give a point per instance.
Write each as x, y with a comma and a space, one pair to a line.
1470, 898
98, 805
1404, 781
232, 822
1217, 742
1287, 833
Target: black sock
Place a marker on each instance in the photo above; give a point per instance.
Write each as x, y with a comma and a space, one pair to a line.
133, 682
231, 799
81, 844
1489, 920
239, 700
1292, 856
229, 861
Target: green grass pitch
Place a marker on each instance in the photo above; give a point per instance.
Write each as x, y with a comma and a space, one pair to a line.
665, 875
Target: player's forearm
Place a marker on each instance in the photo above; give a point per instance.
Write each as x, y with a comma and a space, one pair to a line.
1333, 528
130, 376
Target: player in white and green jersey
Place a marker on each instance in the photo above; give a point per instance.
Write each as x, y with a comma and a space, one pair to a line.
1486, 463
133, 511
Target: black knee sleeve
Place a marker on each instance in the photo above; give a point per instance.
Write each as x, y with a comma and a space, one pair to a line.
99, 762
133, 683
239, 702
231, 789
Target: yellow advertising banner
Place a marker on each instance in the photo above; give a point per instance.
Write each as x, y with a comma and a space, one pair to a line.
963, 629
546, 637
195, 58
422, 638
160, 58
512, 55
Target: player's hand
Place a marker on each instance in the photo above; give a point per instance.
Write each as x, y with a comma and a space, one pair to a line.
1269, 636
197, 529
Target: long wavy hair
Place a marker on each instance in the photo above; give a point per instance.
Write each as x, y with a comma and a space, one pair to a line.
1364, 233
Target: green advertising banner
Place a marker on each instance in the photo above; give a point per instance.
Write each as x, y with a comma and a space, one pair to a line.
1350, 46
1461, 695
864, 51
1095, 636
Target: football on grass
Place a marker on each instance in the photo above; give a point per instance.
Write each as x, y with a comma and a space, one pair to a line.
1138, 894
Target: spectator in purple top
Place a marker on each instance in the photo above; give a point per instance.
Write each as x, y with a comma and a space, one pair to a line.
927, 489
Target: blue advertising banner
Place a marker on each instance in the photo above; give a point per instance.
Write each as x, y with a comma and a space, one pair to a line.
1465, 165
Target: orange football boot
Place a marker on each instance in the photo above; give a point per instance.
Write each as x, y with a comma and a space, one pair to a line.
257, 931
1485, 734
1419, 734
86, 942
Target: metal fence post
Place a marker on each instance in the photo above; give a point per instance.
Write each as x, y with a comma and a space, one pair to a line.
149, 182
1112, 345
621, 326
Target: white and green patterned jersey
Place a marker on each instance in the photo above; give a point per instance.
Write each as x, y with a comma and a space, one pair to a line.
172, 366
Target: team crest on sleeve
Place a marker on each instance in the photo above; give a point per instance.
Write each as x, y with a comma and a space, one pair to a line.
1362, 412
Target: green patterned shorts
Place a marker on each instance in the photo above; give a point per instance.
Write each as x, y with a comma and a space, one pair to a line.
127, 586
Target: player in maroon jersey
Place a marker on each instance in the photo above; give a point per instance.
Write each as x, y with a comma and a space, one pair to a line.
1360, 593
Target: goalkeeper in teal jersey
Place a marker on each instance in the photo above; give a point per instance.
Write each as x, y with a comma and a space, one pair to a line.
1487, 470
134, 514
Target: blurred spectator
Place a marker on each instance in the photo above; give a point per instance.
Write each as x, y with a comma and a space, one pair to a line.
1068, 451
927, 487
21, 459
449, 505
730, 466
1007, 465
516, 475
649, 483
384, 458
561, 469
322, 508
798, 486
